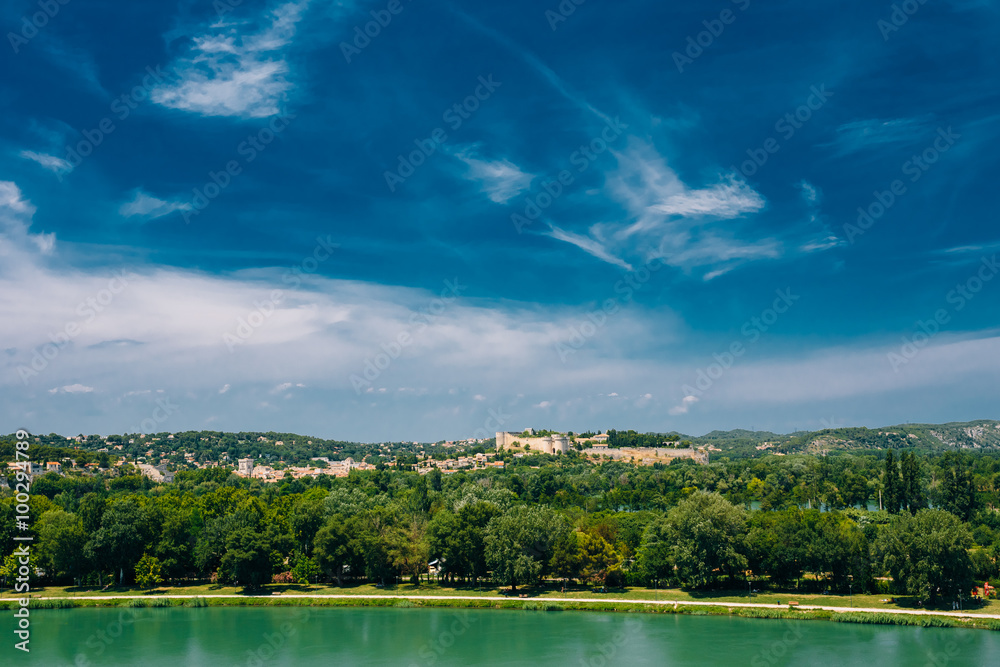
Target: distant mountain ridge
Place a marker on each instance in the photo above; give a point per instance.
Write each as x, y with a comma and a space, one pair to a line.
978, 434
981, 434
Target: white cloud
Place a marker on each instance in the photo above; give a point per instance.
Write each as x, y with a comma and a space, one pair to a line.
821, 243
729, 199
175, 321
54, 164
501, 180
72, 389
589, 245
228, 73
148, 207
15, 221
666, 219
809, 191
10, 197
684, 406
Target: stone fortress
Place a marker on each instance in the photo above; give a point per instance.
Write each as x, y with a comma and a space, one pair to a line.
557, 443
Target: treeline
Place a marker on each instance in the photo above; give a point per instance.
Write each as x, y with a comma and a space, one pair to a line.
42, 453
209, 446
611, 524
630, 438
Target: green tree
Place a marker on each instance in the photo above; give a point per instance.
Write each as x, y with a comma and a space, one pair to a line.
305, 570
567, 556
434, 477
374, 537
148, 572
656, 551
247, 560
519, 544
458, 539
408, 549
90, 511
61, 541
778, 544
125, 531
892, 493
912, 491
599, 558
708, 534
927, 554
307, 516
332, 548
958, 491
175, 545
9, 569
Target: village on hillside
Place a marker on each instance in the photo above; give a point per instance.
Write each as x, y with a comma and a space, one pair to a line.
160, 456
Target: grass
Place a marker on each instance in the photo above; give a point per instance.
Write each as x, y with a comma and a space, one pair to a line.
881, 618
550, 591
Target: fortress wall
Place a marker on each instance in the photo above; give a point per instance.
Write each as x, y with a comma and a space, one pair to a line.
652, 454
547, 444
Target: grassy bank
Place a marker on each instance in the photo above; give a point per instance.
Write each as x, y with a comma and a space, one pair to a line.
543, 605
550, 592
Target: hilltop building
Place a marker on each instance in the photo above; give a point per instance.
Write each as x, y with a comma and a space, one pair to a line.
548, 444
246, 467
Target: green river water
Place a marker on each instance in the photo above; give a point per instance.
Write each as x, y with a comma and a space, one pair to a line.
286, 636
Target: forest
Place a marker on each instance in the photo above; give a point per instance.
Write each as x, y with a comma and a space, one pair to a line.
795, 522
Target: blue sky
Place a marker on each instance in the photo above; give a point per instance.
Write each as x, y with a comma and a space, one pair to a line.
419, 219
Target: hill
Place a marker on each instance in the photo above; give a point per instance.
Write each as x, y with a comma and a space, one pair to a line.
983, 434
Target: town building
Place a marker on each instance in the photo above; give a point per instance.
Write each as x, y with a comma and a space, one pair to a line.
245, 468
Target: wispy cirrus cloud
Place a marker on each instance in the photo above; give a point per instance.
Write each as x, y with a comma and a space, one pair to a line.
52, 163
593, 246
227, 72
147, 207
874, 133
667, 219
501, 180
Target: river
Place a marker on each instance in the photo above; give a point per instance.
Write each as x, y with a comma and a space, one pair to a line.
287, 636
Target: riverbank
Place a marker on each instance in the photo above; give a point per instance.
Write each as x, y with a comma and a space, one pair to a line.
549, 591
911, 617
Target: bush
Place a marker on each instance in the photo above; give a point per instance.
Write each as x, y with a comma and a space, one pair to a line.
614, 579
52, 604
283, 578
